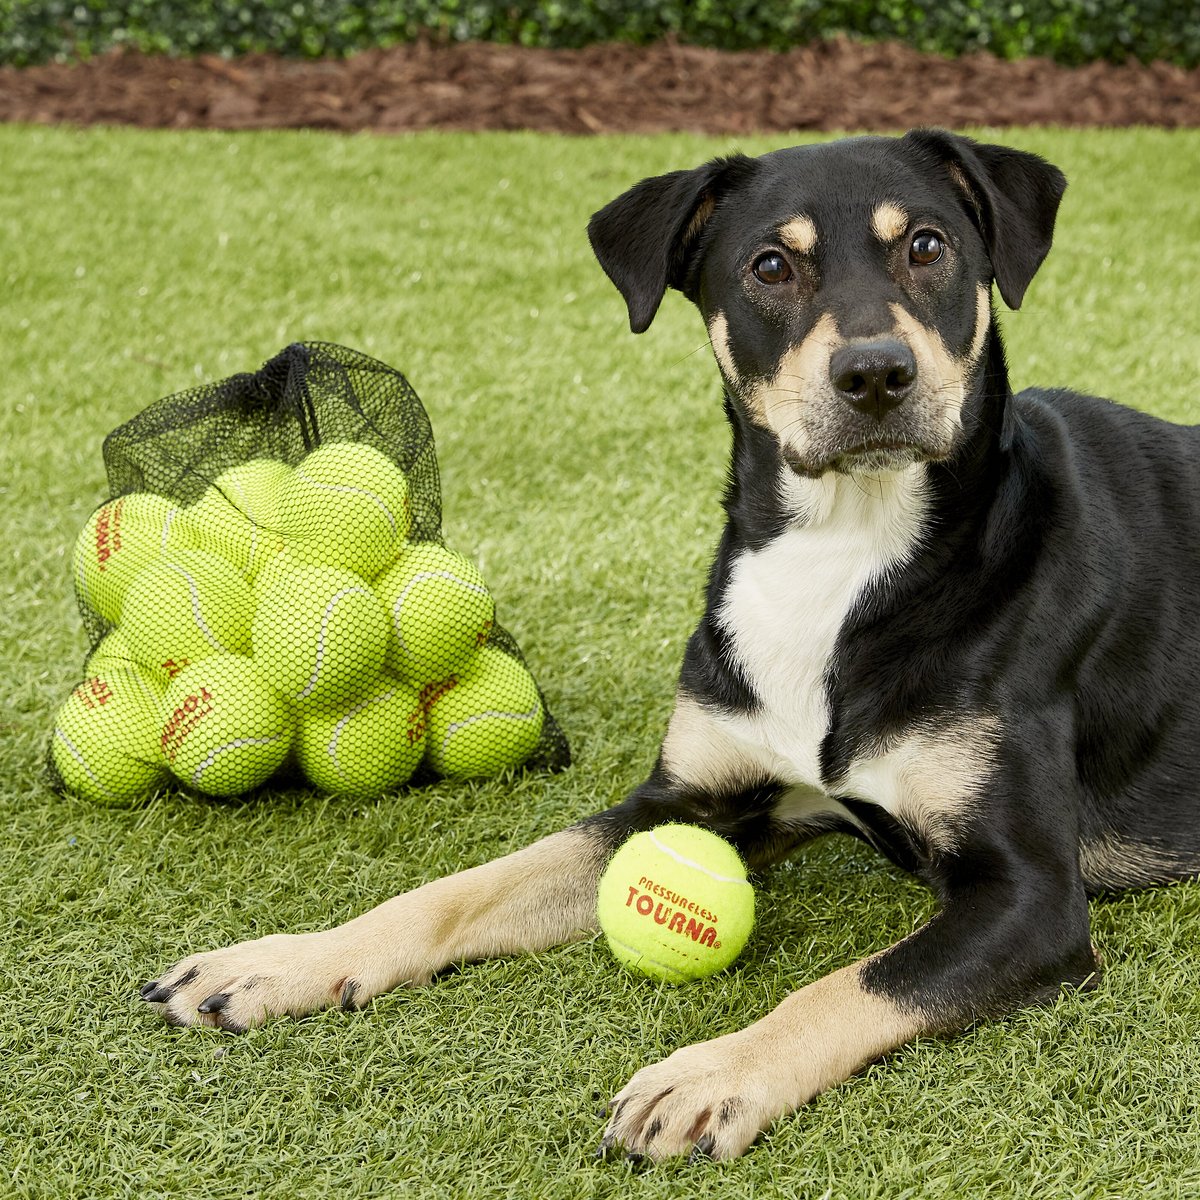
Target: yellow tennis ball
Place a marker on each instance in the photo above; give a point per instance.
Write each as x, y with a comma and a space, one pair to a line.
345, 505
483, 721
319, 635
273, 570
366, 746
105, 742
238, 517
121, 538
188, 606
113, 652
224, 729
441, 612
674, 903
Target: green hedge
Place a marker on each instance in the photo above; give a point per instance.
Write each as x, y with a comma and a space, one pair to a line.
1071, 31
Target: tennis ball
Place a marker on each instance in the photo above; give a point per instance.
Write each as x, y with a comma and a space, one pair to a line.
345, 505
186, 607
105, 742
368, 746
224, 730
441, 612
237, 517
320, 635
274, 569
121, 538
674, 903
483, 721
113, 652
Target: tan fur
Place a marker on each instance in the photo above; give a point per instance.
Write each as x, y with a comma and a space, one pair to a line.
534, 898
961, 182
704, 210
983, 322
929, 779
718, 335
888, 221
1111, 861
802, 377
727, 1090
793, 402
799, 234
944, 377
699, 751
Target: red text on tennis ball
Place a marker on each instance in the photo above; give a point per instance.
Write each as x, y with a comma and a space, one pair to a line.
121, 538
485, 720
105, 741
224, 729
674, 903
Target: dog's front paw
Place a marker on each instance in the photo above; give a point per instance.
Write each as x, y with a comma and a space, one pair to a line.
708, 1100
241, 986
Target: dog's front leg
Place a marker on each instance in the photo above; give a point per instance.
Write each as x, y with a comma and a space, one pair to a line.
1012, 930
530, 900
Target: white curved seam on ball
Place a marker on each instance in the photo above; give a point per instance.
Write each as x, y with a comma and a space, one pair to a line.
418, 578
346, 487
683, 860
455, 726
236, 744
638, 953
316, 674
168, 521
337, 729
77, 755
198, 612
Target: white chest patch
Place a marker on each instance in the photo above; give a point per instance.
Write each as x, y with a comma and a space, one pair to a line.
785, 605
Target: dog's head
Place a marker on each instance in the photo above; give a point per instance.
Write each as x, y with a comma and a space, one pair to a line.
846, 287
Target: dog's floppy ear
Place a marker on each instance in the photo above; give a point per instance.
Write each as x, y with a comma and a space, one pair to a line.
1014, 195
644, 238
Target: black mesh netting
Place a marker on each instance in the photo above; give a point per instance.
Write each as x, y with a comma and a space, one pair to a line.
268, 593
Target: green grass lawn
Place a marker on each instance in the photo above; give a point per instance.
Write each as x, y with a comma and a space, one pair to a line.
137, 264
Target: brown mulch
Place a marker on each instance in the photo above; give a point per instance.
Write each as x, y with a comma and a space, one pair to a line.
836, 84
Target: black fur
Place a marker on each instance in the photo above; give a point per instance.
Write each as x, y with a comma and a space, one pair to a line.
1058, 583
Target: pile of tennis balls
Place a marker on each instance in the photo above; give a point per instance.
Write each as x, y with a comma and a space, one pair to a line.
285, 616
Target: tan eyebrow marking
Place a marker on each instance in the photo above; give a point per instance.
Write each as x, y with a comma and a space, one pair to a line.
799, 234
888, 221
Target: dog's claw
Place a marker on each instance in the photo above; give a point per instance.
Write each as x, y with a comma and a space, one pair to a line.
703, 1149
146, 988
213, 1003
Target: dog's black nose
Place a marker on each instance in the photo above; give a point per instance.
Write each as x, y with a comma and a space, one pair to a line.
874, 376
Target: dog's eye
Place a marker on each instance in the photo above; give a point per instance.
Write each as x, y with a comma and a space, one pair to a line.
926, 248
771, 268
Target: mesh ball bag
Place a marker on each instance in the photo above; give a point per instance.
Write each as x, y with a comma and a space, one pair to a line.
268, 596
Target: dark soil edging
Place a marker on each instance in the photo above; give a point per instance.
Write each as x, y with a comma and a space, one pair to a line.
829, 85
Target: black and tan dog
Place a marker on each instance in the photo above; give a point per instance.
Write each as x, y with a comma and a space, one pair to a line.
960, 624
